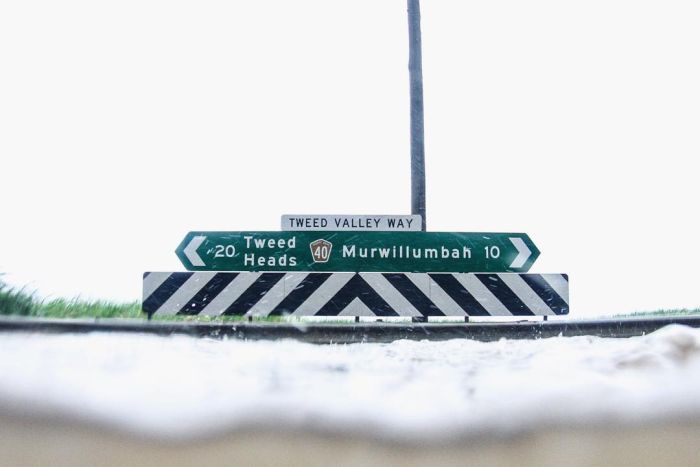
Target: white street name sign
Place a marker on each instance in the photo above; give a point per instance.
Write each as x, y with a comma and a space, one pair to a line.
408, 223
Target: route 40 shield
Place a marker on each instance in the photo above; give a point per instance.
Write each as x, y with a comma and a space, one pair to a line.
321, 250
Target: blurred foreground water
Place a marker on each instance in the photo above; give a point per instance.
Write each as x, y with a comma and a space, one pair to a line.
182, 387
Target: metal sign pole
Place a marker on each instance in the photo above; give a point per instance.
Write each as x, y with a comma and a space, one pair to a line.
415, 69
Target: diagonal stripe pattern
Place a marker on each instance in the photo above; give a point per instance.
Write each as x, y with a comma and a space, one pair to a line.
354, 294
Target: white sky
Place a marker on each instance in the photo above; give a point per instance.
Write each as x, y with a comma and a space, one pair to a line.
123, 125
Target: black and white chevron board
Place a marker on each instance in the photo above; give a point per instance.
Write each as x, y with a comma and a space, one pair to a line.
354, 294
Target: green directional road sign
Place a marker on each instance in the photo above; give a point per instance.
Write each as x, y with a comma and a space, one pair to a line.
357, 251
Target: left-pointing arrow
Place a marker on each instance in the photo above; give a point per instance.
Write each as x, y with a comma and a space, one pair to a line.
190, 250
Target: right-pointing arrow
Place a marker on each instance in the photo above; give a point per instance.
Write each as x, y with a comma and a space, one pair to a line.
523, 252
190, 250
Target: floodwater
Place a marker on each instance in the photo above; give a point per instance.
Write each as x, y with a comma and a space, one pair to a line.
182, 387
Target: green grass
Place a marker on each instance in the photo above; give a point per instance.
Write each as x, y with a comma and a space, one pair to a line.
16, 302
22, 303
670, 312
76, 308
